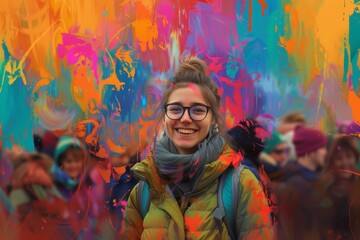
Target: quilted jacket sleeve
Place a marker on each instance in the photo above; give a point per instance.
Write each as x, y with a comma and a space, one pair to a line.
133, 222
253, 212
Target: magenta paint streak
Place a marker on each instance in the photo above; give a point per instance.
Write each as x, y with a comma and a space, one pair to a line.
193, 87
73, 48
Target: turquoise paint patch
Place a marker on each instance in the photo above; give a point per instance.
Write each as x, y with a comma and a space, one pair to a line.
143, 101
16, 114
354, 43
232, 68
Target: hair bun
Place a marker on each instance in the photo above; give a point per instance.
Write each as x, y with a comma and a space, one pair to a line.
191, 63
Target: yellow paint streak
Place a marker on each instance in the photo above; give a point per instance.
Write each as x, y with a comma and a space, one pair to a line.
320, 96
314, 37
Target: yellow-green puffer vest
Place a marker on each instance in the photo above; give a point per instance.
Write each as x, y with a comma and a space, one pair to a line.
193, 218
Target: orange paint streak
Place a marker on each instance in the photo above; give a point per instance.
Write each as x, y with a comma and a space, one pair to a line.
314, 72
231, 158
145, 31
192, 223
120, 170
258, 205
146, 130
287, 8
354, 102
83, 86
114, 147
263, 6
104, 168
112, 80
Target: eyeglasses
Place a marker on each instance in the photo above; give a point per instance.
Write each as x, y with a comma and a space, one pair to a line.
281, 151
197, 112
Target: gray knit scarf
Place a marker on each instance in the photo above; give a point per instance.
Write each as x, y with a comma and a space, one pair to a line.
184, 170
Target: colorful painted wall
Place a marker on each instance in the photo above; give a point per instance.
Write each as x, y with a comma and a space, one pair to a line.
98, 67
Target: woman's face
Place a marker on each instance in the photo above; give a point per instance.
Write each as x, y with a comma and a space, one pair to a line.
72, 164
186, 133
344, 160
280, 153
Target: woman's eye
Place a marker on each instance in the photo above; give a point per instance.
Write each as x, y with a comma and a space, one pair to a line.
175, 109
198, 110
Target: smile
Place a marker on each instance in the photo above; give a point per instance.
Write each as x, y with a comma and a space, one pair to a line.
185, 131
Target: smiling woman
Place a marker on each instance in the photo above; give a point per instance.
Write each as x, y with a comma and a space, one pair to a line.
183, 170
181, 125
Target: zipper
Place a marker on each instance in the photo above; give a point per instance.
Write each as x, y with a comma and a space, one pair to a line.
184, 204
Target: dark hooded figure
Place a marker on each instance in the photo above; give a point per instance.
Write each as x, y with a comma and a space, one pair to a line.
247, 137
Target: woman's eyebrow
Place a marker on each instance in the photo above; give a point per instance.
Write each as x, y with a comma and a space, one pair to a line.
191, 104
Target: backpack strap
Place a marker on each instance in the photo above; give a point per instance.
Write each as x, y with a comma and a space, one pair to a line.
143, 198
227, 196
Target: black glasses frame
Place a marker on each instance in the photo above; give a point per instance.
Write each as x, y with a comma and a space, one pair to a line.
188, 109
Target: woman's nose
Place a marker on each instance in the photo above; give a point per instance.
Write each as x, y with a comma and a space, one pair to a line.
186, 117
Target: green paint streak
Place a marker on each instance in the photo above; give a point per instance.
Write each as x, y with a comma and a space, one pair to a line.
346, 64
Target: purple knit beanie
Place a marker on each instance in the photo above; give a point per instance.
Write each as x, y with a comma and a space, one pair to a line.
307, 140
353, 129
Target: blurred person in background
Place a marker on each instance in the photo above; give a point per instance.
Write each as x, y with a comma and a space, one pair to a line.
37, 204
73, 180
49, 141
353, 131
6, 207
119, 184
112, 165
342, 126
275, 154
296, 208
310, 147
337, 192
247, 137
6, 168
287, 126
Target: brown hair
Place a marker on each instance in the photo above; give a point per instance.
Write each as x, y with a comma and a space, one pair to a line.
294, 117
341, 144
193, 70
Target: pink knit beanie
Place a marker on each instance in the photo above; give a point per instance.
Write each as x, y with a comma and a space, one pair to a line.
307, 140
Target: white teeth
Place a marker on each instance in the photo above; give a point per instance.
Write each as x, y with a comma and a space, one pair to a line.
186, 131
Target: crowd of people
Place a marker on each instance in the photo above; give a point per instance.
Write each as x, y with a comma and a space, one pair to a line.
291, 181
314, 176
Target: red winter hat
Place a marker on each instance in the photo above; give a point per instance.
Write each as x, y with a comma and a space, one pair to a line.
307, 140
